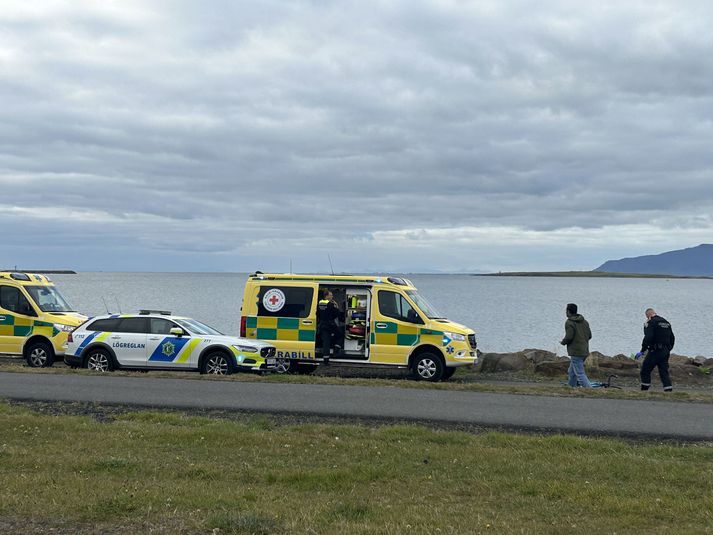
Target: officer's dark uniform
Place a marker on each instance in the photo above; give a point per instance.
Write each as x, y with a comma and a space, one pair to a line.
658, 341
329, 331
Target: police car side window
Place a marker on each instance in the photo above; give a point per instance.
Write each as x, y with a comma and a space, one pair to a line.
161, 326
394, 305
134, 325
12, 299
104, 325
284, 301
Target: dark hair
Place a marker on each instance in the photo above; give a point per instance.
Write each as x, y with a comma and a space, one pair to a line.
325, 293
571, 308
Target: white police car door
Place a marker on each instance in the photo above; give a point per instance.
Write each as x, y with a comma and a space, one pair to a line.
166, 350
129, 341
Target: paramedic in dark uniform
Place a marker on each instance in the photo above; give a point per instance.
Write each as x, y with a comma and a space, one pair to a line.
657, 345
327, 314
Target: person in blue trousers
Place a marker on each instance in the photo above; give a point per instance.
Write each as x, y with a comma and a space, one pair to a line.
577, 335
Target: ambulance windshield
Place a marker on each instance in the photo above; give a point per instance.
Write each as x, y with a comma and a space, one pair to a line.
48, 299
196, 327
425, 306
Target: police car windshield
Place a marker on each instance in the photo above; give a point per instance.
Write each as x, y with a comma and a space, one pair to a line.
426, 307
196, 327
48, 299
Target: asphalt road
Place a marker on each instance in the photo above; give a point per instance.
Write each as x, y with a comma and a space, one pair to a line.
609, 417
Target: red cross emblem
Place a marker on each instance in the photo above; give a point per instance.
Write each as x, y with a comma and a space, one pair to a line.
273, 300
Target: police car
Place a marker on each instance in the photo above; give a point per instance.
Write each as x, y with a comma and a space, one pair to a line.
156, 340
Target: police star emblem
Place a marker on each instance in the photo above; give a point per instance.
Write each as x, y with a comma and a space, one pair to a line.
168, 348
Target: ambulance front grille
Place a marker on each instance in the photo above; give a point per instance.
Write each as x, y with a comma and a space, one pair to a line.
472, 341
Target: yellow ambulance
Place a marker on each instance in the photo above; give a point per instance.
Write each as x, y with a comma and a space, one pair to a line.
34, 318
383, 321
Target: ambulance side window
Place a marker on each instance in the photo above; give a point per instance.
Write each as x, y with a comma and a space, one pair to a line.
394, 305
12, 299
284, 301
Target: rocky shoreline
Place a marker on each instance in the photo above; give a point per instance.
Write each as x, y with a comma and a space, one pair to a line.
687, 370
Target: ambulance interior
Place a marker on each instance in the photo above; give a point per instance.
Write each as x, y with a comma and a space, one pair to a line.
354, 303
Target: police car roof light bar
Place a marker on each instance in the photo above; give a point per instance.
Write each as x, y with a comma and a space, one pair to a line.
145, 312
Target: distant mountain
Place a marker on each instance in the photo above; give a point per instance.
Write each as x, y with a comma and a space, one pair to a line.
691, 262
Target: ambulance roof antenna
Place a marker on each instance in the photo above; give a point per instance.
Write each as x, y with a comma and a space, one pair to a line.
330, 263
105, 305
290, 266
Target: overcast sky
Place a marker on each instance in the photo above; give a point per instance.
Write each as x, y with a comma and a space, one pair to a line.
395, 135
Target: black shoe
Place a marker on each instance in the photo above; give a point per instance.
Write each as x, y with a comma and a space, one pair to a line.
326, 361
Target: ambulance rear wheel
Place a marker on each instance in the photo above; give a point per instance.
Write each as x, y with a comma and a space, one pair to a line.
428, 367
99, 360
217, 363
40, 355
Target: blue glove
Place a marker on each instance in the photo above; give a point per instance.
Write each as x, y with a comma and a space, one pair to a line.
638, 355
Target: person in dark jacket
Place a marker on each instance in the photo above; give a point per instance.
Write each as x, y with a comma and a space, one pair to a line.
657, 345
576, 338
327, 314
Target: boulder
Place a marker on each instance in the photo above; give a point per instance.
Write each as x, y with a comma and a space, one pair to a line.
620, 356
700, 360
623, 367
552, 368
594, 359
611, 364
538, 355
679, 359
502, 362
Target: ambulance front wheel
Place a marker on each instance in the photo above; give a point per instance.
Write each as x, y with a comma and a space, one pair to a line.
39, 355
428, 367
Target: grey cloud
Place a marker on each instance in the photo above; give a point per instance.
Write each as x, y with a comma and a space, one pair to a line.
240, 122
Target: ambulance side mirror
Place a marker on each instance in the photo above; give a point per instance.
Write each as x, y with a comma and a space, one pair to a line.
177, 331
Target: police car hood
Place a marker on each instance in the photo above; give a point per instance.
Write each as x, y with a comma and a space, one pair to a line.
451, 326
73, 319
236, 340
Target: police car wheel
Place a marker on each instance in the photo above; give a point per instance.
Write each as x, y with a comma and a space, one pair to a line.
99, 360
40, 355
428, 367
217, 364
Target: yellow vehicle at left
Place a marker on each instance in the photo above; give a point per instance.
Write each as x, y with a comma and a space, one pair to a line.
34, 318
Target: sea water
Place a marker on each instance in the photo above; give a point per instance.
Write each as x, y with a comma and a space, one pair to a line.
508, 313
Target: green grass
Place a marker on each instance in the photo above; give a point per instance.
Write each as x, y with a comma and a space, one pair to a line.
173, 473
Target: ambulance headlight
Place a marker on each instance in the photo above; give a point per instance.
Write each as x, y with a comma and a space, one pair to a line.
455, 336
245, 349
64, 328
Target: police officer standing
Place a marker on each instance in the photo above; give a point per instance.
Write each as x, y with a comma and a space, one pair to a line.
658, 343
327, 314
